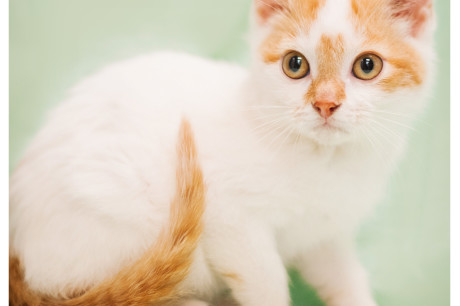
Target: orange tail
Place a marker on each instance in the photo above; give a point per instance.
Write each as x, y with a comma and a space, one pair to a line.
153, 279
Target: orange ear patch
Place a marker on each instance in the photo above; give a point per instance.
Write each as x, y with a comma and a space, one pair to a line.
297, 15
417, 12
266, 8
375, 19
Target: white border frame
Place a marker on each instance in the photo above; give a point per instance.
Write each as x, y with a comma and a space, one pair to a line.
4, 143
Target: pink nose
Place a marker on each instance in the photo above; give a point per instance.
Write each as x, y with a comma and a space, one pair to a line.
325, 109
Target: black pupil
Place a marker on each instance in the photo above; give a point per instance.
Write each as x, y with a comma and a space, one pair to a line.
295, 63
367, 65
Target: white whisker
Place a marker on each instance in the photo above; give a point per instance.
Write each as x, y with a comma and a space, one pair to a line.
283, 132
387, 129
270, 125
397, 123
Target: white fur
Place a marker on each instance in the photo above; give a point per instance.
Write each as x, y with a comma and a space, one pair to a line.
93, 190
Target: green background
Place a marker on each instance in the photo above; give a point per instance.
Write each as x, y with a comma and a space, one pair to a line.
55, 43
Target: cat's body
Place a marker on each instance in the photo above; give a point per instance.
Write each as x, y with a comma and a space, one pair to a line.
94, 188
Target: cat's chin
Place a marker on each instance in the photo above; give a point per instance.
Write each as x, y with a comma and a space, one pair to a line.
329, 135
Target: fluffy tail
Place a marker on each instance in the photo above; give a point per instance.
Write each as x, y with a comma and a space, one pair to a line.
153, 279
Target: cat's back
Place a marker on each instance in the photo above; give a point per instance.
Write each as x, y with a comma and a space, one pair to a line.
96, 181
166, 80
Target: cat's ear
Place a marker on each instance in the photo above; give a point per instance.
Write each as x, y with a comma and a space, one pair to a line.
267, 8
419, 13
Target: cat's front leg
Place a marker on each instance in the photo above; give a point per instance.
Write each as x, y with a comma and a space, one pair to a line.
333, 269
245, 257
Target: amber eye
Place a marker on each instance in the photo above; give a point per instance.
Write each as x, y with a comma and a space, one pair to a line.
367, 66
295, 65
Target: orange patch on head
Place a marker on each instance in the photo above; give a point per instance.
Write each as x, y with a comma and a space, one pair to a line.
408, 73
299, 15
330, 56
375, 20
327, 84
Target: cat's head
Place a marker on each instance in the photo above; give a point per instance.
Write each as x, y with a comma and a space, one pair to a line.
334, 70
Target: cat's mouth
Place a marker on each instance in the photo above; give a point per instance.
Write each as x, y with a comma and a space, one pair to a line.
330, 133
329, 126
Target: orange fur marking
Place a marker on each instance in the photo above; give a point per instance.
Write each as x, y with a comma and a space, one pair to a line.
327, 86
266, 8
232, 276
153, 278
330, 56
417, 12
408, 72
19, 293
374, 19
297, 15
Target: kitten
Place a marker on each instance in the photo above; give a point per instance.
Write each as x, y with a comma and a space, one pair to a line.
289, 150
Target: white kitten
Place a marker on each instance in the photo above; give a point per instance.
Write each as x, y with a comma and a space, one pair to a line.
287, 149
